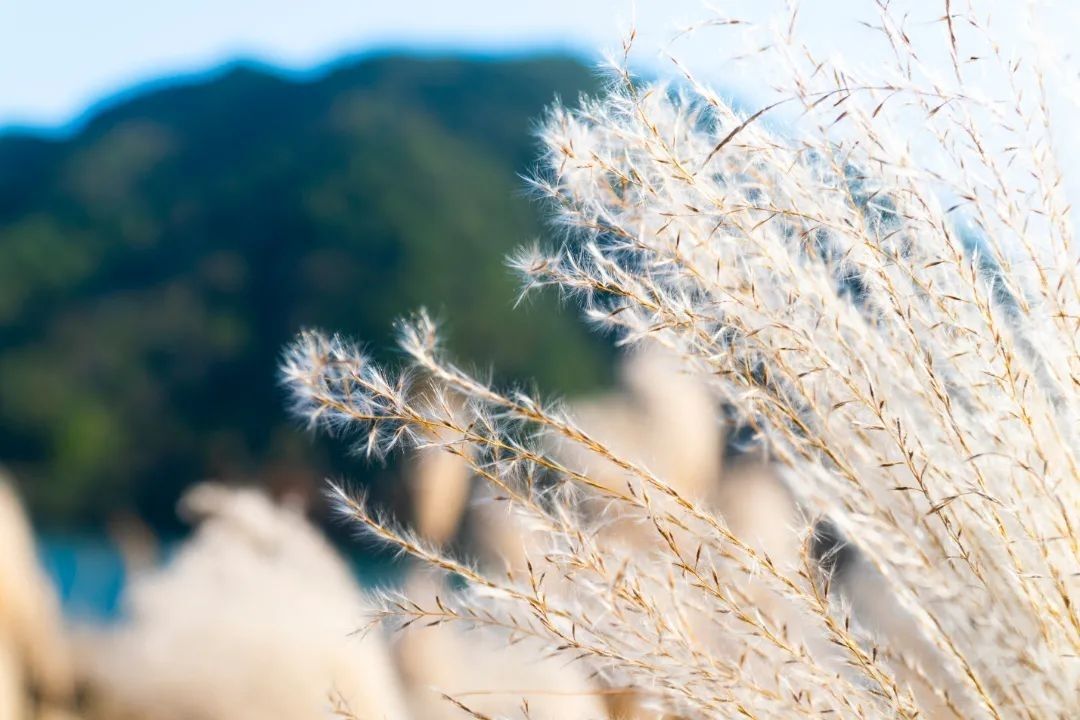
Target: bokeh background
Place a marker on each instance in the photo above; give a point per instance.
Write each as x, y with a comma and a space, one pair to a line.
182, 189
184, 186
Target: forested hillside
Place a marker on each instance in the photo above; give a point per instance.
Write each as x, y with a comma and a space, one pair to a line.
153, 264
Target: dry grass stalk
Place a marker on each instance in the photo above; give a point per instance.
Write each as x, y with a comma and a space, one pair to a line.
887, 293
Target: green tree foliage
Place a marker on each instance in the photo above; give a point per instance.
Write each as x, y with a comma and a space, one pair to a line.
153, 264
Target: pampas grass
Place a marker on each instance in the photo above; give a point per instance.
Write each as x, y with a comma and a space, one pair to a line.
36, 675
882, 293
253, 618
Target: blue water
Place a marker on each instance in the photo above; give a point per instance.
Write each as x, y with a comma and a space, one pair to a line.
89, 574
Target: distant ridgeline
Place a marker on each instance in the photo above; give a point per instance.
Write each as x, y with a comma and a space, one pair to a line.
153, 265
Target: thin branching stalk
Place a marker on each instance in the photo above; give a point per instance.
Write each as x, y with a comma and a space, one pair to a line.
875, 274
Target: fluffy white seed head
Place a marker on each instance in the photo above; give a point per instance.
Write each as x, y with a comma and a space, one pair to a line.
885, 293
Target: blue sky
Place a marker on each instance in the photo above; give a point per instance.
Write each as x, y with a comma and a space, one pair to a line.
57, 57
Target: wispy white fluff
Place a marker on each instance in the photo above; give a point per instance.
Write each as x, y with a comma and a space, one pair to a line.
887, 294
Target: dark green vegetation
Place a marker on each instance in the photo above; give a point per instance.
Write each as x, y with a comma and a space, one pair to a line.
153, 265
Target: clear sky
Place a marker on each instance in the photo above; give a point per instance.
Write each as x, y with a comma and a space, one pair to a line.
59, 56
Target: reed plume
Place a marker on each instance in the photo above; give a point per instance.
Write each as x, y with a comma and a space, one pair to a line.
250, 619
875, 276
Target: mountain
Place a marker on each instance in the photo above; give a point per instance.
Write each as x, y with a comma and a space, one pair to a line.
154, 264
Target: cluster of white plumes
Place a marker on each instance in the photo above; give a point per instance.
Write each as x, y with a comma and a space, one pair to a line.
885, 296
